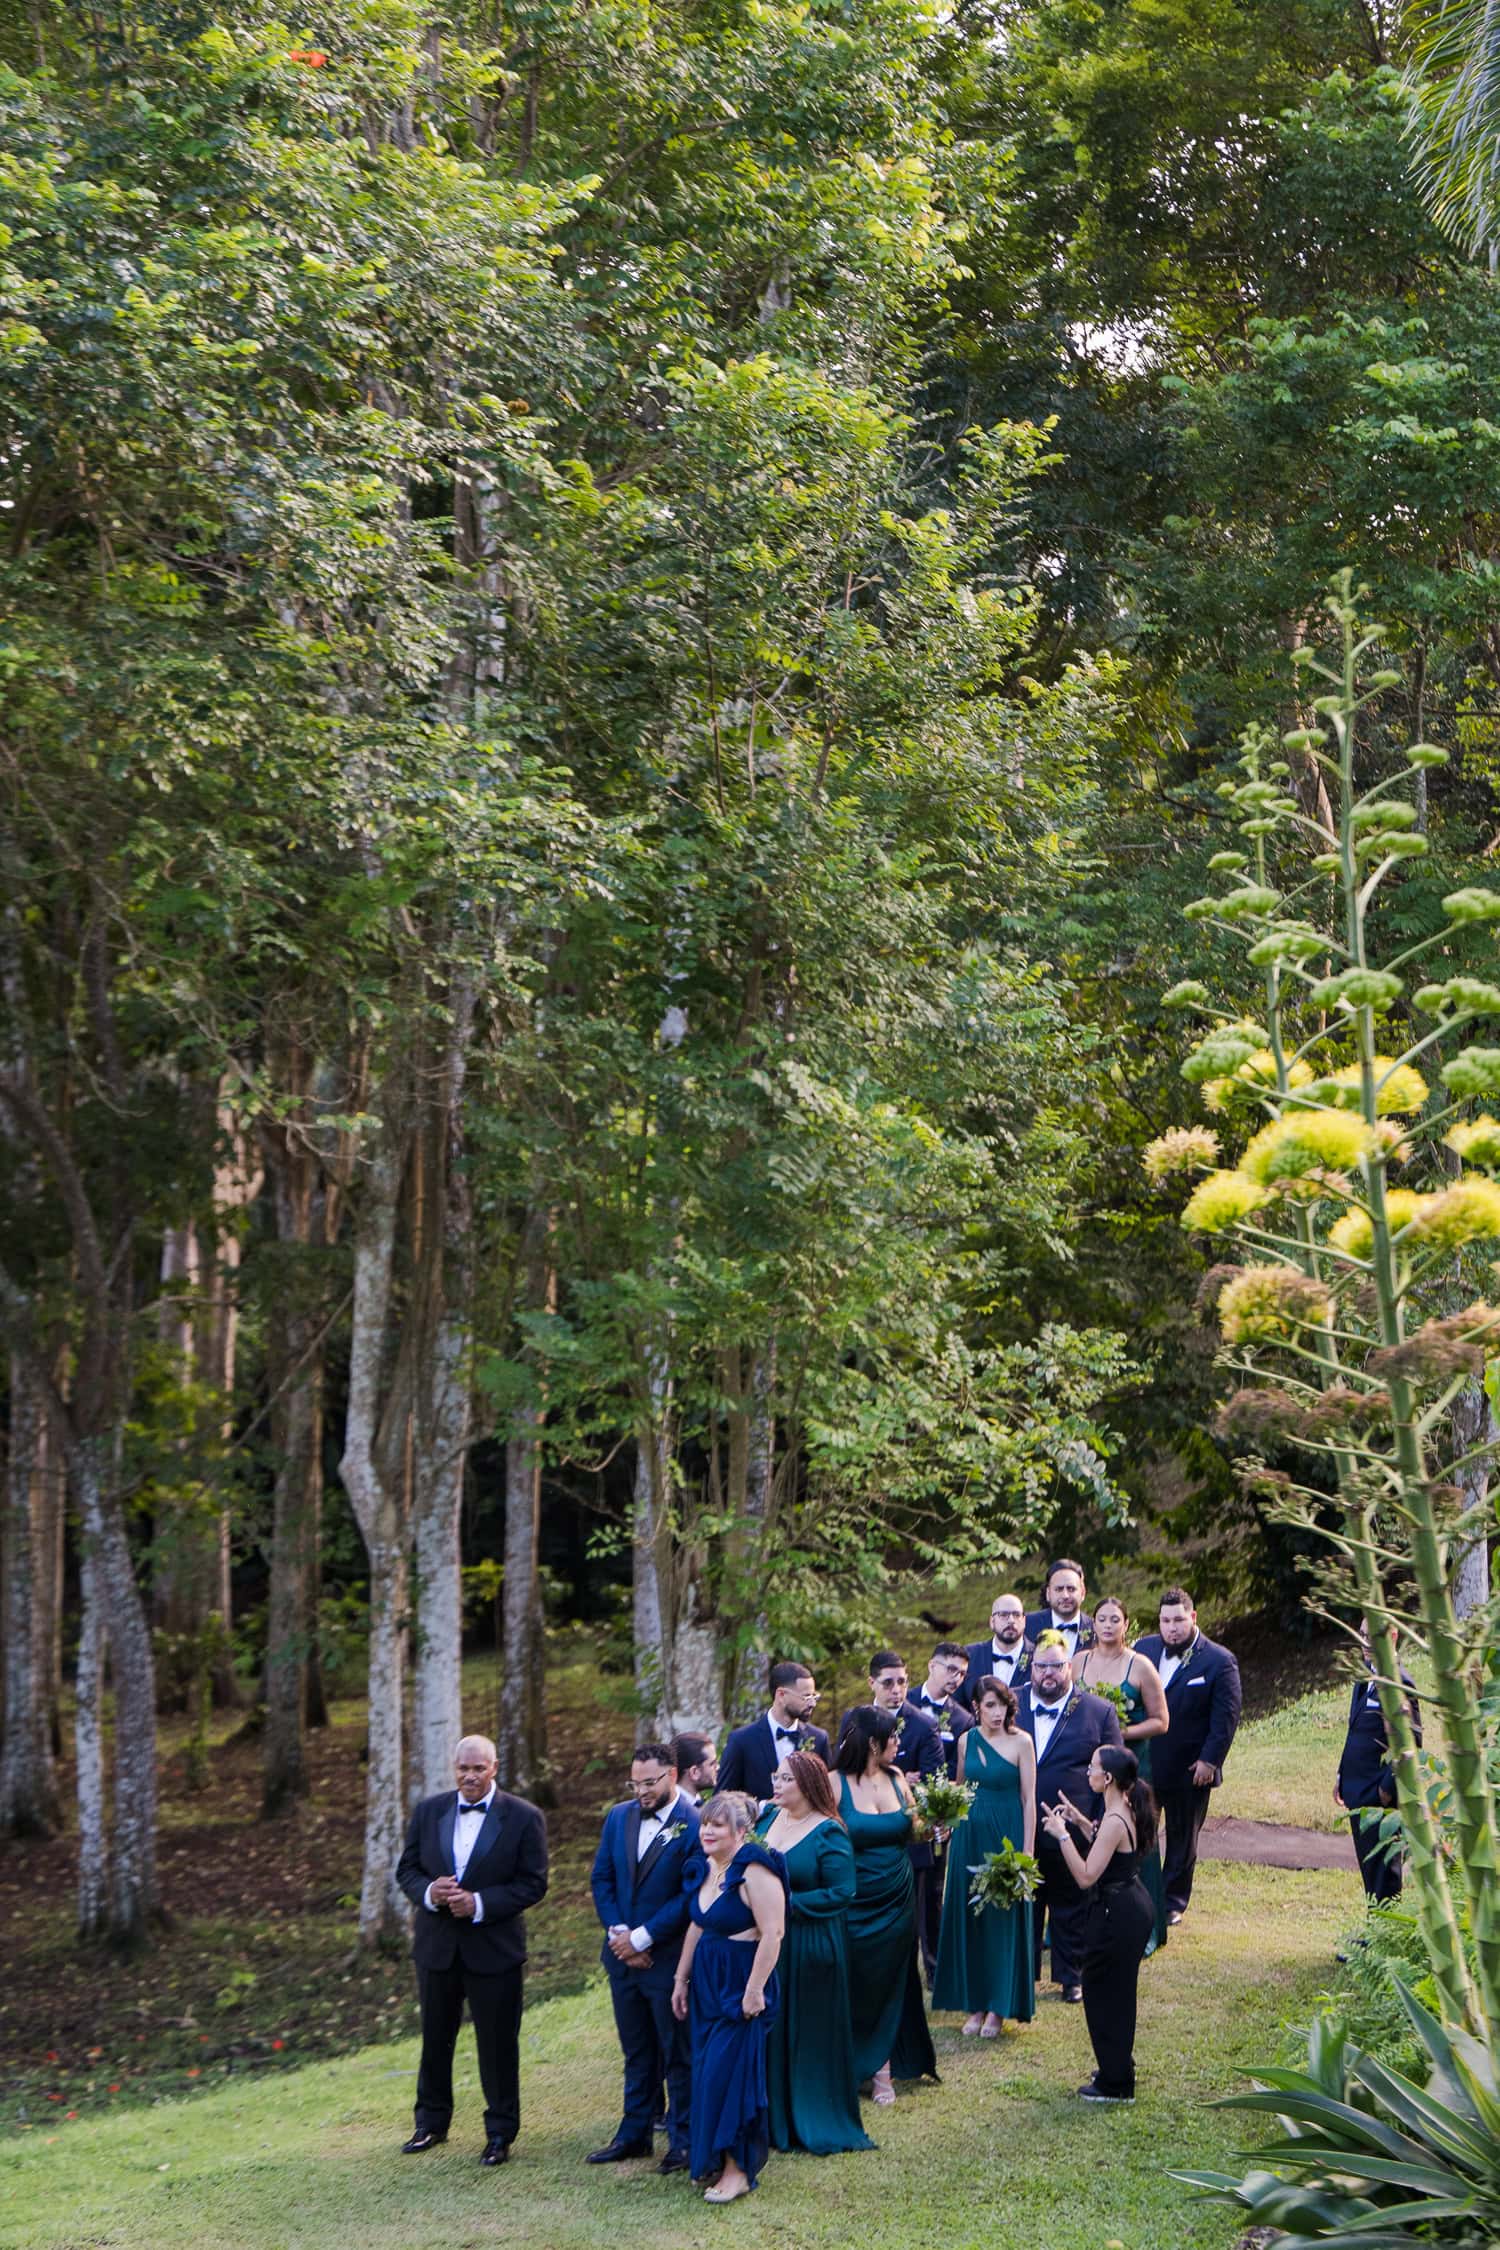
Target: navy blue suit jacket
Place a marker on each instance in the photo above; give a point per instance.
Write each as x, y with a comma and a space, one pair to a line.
1087, 1723
1203, 1710
952, 1724
749, 1758
982, 1667
507, 1871
1365, 1776
649, 1893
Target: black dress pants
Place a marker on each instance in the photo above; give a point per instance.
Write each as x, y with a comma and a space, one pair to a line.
495, 2011
1183, 1811
1120, 1922
1064, 1909
1380, 1871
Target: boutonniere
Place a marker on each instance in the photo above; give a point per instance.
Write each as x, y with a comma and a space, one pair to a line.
678, 1828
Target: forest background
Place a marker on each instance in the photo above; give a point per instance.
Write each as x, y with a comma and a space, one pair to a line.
621, 626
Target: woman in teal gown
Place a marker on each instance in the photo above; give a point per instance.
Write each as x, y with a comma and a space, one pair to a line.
1112, 1662
984, 1963
812, 2087
889, 2021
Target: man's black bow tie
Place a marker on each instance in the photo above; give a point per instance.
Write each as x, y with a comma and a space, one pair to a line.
478, 1806
785, 1734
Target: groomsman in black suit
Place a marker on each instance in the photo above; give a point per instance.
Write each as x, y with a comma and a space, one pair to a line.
937, 1700
1202, 1681
639, 1895
1006, 1655
752, 1753
1366, 1779
1064, 1613
697, 1764
1067, 1727
474, 1860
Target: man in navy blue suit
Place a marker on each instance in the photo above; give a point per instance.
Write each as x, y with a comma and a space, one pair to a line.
1202, 1681
1064, 1613
1366, 1780
473, 1861
1067, 1726
642, 1902
1006, 1655
752, 1753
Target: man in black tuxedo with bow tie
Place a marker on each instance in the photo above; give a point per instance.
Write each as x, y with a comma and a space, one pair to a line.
1064, 1613
937, 1700
1366, 1781
1067, 1726
1006, 1655
752, 1753
1202, 1681
474, 1860
639, 1895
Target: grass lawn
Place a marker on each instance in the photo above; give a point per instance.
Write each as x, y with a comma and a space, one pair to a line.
308, 2160
1283, 1767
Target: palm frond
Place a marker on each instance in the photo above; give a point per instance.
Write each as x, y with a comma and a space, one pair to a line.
1453, 48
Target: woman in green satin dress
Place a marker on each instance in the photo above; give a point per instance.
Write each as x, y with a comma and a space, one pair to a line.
891, 2038
1113, 1662
814, 2093
984, 1965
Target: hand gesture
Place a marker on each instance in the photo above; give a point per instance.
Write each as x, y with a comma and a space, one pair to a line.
461, 1903
1055, 1820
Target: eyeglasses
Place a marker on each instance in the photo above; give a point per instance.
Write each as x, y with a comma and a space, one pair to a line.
644, 1787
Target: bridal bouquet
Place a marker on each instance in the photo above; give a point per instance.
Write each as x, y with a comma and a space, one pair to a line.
1004, 1878
941, 1803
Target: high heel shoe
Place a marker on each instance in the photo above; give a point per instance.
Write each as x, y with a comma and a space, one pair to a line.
992, 2027
972, 2027
885, 2092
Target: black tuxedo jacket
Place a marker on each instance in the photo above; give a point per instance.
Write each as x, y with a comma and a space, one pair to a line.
1039, 1621
507, 1871
1203, 1710
750, 1757
1365, 1776
952, 1723
982, 1667
1087, 1723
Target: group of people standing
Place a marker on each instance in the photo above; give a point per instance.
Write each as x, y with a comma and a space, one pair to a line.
767, 1915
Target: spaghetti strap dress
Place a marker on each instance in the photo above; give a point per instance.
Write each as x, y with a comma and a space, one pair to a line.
885, 1986
729, 2111
984, 1960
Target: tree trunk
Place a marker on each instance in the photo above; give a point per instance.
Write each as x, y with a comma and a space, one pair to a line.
88, 1737
521, 1722
372, 1475
28, 1780
444, 1417
92, 1464
648, 1536
1474, 1428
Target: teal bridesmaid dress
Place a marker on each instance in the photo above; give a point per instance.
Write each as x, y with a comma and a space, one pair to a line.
984, 1962
885, 1986
813, 2088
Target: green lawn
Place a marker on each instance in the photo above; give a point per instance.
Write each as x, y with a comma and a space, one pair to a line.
308, 2160
1282, 1768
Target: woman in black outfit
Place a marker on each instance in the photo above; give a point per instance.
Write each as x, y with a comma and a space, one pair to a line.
1121, 1914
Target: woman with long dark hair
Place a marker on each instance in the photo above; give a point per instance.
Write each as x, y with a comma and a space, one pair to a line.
891, 2038
814, 2094
1112, 1662
1121, 1914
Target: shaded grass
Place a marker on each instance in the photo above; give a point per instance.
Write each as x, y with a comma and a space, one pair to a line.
309, 2159
1283, 1767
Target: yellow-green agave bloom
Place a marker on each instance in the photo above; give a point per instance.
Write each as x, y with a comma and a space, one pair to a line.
1218, 1202
1477, 1142
1186, 1148
1354, 1233
1307, 1140
1399, 1089
1271, 1305
1466, 1212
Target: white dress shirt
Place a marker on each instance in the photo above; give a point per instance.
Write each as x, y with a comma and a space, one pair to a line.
1172, 1661
466, 1827
1003, 1661
652, 1825
1045, 1715
1070, 1627
779, 1750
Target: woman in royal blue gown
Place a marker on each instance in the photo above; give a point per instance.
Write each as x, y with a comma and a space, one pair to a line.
726, 1979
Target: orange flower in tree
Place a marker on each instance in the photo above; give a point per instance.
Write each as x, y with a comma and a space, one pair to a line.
311, 58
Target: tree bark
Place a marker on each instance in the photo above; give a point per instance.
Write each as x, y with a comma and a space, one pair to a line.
88, 1739
649, 1614
28, 1779
521, 1724
93, 1468
371, 1469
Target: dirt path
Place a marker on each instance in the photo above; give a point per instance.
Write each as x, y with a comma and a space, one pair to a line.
1266, 1843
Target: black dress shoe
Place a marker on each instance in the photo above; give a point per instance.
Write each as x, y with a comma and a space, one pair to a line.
618, 2152
675, 2160
496, 2152
1073, 1994
421, 2139
1174, 1916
